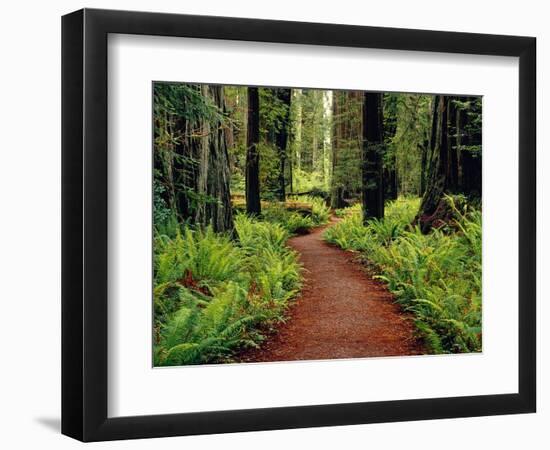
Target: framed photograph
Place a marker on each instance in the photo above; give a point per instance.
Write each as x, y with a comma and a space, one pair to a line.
273, 224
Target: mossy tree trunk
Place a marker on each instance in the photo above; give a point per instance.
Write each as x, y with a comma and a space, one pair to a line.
214, 176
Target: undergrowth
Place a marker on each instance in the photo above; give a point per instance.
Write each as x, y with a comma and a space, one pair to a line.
298, 217
437, 276
214, 295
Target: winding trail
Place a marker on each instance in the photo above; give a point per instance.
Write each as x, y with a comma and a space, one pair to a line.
341, 313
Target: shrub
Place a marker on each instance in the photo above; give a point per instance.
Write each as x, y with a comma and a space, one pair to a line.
297, 217
293, 222
320, 212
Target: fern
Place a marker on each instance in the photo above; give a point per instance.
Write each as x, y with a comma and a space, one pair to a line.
212, 295
436, 276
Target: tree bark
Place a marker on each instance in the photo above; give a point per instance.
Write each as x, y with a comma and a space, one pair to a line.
214, 170
424, 165
390, 182
253, 205
471, 162
389, 117
437, 176
337, 192
452, 146
281, 139
200, 167
372, 176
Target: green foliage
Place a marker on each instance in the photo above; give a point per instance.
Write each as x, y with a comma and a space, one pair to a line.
297, 217
347, 142
320, 212
305, 181
293, 222
272, 113
412, 131
213, 296
437, 276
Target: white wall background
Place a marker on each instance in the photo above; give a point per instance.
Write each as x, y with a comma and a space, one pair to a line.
30, 225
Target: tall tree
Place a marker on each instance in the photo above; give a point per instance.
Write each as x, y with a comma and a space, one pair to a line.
191, 160
213, 175
429, 148
437, 176
281, 138
298, 128
469, 145
347, 146
372, 176
390, 156
455, 164
253, 205
452, 147
337, 189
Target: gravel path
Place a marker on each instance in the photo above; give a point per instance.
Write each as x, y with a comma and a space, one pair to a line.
341, 313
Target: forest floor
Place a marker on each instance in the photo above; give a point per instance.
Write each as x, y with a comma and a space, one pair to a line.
342, 311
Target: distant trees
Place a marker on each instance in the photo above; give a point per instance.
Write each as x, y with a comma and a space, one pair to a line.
337, 187
373, 140
253, 205
468, 143
347, 140
390, 117
281, 138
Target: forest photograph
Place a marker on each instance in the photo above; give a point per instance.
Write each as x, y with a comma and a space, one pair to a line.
308, 224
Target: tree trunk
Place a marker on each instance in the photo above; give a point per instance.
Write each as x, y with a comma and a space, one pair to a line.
299, 124
372, 177
437, 176
214, 171
390, 183
253, 205
471, 161
337, 192
281, 139
184, 171
201, 166
212, 183
424, 166
389, 117
452, 173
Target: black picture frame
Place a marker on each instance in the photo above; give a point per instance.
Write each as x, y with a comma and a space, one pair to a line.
84, 224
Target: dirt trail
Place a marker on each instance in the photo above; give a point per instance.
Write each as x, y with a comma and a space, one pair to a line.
341, 313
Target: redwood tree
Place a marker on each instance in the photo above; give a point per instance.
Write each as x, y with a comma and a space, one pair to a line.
281, 138
253, 205
213, 175
191, 157
372, 174
337, 190
390, 158
437, 179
